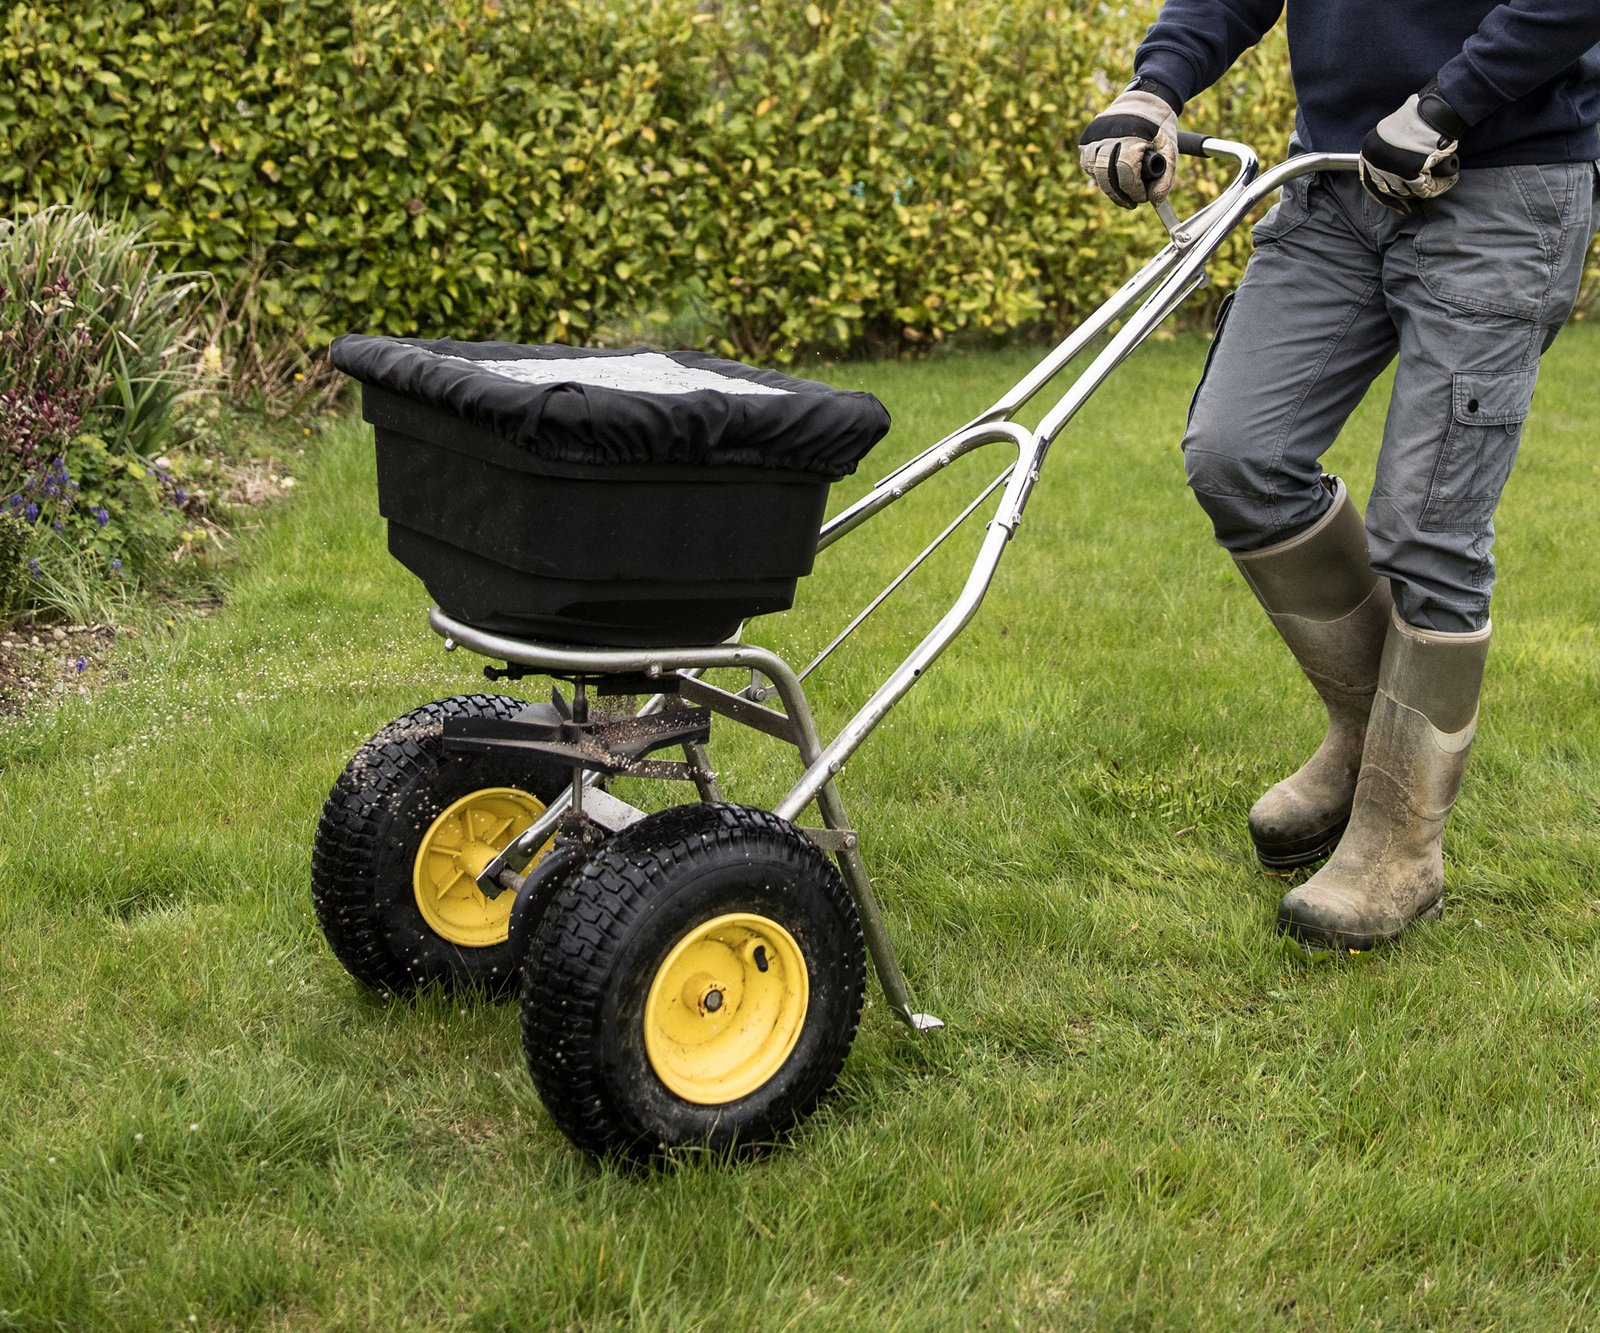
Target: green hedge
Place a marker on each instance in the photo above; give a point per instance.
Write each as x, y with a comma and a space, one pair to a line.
792, 177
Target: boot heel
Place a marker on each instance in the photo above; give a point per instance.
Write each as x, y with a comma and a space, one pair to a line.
1292, 855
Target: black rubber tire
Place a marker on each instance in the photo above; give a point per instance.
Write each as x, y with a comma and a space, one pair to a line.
601, 943
539, 890
366, 843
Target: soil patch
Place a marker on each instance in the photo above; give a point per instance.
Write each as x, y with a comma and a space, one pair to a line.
43, 664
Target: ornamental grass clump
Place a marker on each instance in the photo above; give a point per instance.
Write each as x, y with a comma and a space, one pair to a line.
98, 347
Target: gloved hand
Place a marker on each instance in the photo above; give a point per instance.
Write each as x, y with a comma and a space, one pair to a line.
1412, 152
1112, 148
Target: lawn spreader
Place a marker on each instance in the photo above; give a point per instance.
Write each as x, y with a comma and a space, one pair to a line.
609, 520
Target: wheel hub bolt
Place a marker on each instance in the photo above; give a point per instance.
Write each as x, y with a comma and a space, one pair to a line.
713, 1001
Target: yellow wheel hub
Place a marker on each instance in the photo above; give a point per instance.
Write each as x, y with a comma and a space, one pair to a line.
726, 1008
453, 853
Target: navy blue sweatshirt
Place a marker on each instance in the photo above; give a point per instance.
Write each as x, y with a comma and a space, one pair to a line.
1524, 74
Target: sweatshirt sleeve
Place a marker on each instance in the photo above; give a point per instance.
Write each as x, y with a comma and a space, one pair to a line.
1193, 43
1518, 46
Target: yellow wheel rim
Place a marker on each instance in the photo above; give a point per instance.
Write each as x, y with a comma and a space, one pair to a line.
726, 1008
453, 853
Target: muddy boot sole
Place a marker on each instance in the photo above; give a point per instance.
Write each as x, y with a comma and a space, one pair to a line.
1316, 937
1299, 852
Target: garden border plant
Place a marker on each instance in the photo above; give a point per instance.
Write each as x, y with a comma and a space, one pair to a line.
98, 349
125, 451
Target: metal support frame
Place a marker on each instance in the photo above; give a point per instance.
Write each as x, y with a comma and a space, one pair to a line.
657, 663
1143, 303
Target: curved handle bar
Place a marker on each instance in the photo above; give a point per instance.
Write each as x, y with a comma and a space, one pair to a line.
1154, 166
1248, 187
1176, 270
1167, 279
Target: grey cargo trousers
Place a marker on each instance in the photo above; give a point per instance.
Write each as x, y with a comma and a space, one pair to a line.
1467, 292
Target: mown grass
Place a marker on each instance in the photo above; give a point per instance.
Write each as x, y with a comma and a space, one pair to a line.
1146, 1111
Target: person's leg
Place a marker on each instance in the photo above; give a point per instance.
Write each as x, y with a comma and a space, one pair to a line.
1478, 288
1333, 612
1303, 338
1297, 346
1478, 285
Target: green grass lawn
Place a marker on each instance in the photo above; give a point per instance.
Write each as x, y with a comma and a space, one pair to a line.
1146, 1110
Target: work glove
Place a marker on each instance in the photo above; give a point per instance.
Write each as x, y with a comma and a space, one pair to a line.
1412, 152
1143, 119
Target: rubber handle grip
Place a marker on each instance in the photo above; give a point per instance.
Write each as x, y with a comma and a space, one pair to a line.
1191, 144
1152, 167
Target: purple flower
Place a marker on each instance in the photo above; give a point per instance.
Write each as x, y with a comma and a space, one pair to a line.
34, 568
82, 664
101, 516
116, 566
31, 513
56, 525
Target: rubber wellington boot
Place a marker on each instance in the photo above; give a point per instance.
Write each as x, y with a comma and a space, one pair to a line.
1333, 612
1388, 869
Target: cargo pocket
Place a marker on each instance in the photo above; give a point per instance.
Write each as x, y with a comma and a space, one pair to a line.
1293, 208
1211, 352
1486, 416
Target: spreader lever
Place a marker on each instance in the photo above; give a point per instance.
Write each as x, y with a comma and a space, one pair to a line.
1151, 169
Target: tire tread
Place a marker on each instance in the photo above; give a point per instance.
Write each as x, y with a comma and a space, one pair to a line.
587, 926
345, 848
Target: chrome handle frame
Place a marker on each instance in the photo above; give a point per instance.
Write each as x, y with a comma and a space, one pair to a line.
1161, 286
1152, 294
